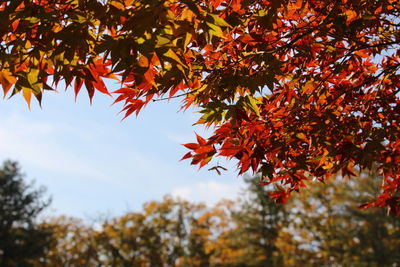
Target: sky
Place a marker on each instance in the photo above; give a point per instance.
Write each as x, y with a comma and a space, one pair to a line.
93, 164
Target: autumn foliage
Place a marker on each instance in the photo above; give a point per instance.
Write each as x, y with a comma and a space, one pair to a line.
292, 88
321, 227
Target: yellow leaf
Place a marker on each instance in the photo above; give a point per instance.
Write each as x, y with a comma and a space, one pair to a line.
327, 166
27, 94
323, 158
28, 44
33, 20
171, 54
140, 40
80, 19
188, 38
187, 15
162, 41
215, 30
33, 76
6, 80
301, 136
220, 21
251, 103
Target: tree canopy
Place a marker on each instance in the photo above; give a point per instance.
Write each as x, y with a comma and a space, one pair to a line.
21, 239
321, 227
292, 88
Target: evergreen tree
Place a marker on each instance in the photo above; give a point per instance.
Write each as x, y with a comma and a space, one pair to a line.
21, 240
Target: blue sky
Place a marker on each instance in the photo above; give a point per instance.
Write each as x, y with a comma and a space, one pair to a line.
93, 164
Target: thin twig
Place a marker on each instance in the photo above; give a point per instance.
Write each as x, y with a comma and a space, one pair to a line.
175, 96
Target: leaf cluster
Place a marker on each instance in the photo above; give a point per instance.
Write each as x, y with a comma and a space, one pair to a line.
293, 89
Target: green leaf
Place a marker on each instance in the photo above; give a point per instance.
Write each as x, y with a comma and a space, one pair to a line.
33, 76
252, 103
215, 30
162, 41
219, 21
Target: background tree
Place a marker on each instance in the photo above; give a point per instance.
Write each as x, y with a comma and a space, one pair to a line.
21, 239
335, 231
166, 233
260, 222
256, 222
322, 227
73, 243
271, 77
126, 241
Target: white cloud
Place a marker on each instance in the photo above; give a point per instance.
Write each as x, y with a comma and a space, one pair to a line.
179, 138
209, 192
34, 142
91, 164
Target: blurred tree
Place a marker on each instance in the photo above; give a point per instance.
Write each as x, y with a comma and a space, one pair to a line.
21, 240
168, 219
206, 224
159, 236
224, 235
73, 244
334, 231
322, 227
123, 241
258, 222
